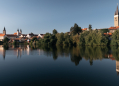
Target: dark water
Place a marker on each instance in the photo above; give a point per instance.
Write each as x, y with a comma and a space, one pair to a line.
60, 66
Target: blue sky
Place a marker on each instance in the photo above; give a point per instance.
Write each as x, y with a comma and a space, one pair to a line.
41, 16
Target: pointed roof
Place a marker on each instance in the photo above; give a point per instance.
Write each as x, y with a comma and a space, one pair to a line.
116, 12
4, 28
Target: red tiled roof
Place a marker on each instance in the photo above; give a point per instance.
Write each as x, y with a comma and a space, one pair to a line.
11, 35
18, 38
2, 34
15, 33
108, 34
84, 29
114, 28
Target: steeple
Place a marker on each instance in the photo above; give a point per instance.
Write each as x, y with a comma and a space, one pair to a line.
116, 17
116, 12
4, 31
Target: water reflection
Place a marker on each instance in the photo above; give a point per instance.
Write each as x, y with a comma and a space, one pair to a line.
76, 54
117, 67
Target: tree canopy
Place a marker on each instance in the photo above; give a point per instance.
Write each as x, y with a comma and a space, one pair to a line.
75, 29
54, 31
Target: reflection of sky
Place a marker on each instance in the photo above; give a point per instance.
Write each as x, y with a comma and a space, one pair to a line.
39, 68
18, 52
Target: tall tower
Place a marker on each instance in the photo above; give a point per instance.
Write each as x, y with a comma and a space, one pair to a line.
4, 31
116, 17
18, 32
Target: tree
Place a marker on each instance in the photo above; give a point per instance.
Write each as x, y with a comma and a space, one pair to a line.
54, 32
5, 40
34, 38
75, 29
90, 27
115, 38
60, 38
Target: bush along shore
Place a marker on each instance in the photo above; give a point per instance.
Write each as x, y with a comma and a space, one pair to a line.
77, 37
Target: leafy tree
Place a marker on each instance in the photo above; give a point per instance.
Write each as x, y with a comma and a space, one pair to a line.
105, 30
95, 38
75, 29
34, 39
55, 32
49, 39
82, 37
67, 40
5, 40
90, 27
60, 38
115, 38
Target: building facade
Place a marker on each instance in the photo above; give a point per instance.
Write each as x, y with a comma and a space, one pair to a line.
116, 17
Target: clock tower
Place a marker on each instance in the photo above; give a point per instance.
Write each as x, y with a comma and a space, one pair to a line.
116, 17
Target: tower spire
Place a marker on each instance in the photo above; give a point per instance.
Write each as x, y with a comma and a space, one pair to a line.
116, 13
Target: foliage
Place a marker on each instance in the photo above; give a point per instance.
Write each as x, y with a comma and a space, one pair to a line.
75, 29
115, 38
105, 30
34, 39
5, 40
82, 37
76, 39
90, 27
49, 39
95, 38
54, 31
60, 38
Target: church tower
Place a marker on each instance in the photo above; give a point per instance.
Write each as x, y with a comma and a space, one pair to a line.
116, 17
4, 31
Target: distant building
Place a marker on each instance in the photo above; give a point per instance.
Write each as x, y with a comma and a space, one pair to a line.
84, 29
113, 29
116, 17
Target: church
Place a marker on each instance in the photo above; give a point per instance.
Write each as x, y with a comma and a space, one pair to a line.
116, 21
10, 36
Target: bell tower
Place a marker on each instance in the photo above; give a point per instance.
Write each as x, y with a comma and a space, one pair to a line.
116, 17
4, 31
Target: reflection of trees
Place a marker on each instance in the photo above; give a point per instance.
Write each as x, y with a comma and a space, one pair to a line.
115, 52
75, 55
92, 53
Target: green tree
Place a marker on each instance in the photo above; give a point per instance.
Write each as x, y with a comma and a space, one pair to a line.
115, 38
90, 27
60, 38
55, 32
34, 38
95, 38
75, 29
5, 40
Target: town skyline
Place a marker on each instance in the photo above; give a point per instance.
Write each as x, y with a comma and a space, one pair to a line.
40, 17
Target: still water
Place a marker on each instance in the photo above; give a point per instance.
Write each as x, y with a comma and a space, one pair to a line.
59, 66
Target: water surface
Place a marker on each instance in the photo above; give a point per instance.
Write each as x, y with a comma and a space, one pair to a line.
59, 66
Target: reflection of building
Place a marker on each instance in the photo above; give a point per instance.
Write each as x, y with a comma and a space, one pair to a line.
28, 50
2, 51
117, 67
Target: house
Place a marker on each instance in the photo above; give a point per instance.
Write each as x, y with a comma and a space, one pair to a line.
41, 35
84, 29
109, 34
23, 35
30, 35
112, 29
2, 36
21, 39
